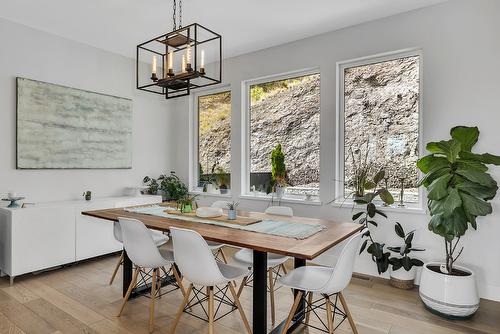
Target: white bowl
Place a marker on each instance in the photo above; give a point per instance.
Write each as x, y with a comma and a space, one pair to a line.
209, 212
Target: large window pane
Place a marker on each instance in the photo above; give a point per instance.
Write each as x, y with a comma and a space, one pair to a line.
214, 139
381, 122
286, 112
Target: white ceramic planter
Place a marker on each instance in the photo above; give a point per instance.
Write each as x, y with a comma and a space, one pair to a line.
449, 296
403, 279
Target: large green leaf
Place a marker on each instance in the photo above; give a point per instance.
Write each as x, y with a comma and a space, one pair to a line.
437, 226
467, 136
431, 163
429, 178
399, 230
449, 148
379, 177
485, 158
477, 190
386, 197
447, 204
482, 178
475, 206
471, 164
439, 187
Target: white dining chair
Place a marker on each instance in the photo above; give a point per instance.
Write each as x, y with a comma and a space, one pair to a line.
158, 237
144, 254
199, 266
216, 247
326, 281
275, 262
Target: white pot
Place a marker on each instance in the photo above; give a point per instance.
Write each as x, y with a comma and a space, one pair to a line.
403, 279
447, 295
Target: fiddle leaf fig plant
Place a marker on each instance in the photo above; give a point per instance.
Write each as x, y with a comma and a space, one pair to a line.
459, 187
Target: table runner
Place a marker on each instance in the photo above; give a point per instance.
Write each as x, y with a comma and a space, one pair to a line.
267, 226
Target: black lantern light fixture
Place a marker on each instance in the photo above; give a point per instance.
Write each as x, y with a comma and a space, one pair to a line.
186, 58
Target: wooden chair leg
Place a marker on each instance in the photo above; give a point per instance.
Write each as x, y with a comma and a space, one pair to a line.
309, 308
292, 312
224, 258
129, 291
329, 315
348, 313
243, 283
210, 292
178, 279
120, 261
152, 300
240, 308
181, 308
271, 295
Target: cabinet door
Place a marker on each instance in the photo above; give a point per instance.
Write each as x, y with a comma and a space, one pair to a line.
42, 238
94, 236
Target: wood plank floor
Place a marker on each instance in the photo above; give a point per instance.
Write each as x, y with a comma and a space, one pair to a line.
78, 299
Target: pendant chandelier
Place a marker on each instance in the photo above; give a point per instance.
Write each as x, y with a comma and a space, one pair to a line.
186, 58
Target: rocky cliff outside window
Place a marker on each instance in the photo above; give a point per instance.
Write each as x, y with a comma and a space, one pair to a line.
214, 142
380, 102
285, 112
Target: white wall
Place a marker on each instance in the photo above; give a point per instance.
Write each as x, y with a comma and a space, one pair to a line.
461, 54
33, 54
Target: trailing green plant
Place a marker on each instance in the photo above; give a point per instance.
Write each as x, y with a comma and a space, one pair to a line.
361, 170
367, 218
172, 186
458, 186
152, 185
221, 178
278, 167
404, 260
232, 205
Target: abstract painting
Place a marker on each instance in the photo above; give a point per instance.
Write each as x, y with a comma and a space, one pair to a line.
66, 128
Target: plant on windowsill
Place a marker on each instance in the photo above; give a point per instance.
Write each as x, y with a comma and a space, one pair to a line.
459, 189
367, 217
278, 172
152, 185
173, 188
403, 267
222, 180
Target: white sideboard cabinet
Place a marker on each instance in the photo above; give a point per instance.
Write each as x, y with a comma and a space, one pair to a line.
51, 234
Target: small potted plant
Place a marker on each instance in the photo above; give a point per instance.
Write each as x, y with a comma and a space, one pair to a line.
152, 185
187, 203
231, 207
459, 189
173, 188
278, 171
403, 267
87, 195
222, 180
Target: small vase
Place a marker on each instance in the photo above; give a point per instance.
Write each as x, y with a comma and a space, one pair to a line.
280, 192
231, 214
186, 208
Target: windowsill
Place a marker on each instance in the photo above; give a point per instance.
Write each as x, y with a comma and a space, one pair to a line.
283, 200
201, 193
412, 208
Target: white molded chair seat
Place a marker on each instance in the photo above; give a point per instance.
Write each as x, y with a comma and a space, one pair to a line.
142, 250
326, 281
198, 265
158, 237
244, 257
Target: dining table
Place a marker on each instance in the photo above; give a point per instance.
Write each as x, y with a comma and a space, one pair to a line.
332, 233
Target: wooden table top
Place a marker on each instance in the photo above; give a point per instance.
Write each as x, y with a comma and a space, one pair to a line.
307, 249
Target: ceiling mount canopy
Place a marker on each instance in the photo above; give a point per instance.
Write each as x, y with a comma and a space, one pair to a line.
186, 58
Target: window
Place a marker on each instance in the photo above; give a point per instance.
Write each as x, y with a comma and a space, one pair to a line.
214, 141
284, 111
380, 113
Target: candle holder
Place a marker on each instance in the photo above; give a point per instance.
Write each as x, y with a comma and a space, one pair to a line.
154, 77
189, 68
170, 72
202, 71
402, 193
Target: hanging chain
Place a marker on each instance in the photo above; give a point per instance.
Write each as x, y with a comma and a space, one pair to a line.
173, 15
180, 14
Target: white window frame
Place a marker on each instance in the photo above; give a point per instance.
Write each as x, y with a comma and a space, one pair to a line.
340, 126
245, 129
194, 138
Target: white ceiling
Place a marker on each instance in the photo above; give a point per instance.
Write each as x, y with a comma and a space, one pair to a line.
246, 25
